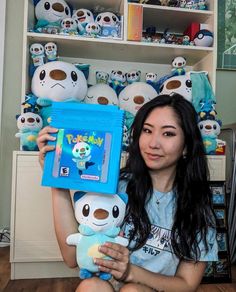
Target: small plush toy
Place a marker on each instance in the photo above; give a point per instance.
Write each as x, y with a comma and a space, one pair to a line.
189, 4
92, 29
181, 84
37, 54
82, 17
102, 77
29, 125
186, 40
49, 14
207, 108
210, 129
57, 81
202, 5
152, 79
203, 38
109, 23
69, 26
101, 94
133, 76
178, 66
51, 51
100, 217
30, 104
117, 80
182, 3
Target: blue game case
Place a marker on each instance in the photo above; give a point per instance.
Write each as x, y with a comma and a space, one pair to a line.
87, 149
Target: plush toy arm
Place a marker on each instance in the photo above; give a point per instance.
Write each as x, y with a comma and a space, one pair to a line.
44, 101
73, 239
18, 135
122, 240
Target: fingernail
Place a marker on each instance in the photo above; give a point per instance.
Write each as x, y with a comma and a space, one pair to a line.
95, 261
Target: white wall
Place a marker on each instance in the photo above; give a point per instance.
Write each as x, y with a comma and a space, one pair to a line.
11, 101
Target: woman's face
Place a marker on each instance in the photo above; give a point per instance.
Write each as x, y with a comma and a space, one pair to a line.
162, 140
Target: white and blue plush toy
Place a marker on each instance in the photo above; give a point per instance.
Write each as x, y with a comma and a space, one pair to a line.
117, 80
49, 14
69, 26
92, 29
102, 77
37, 54
178, 66
133, 76
82, 17
29, 125
100, 217
101, 94
109, 23
57, 81
51, 51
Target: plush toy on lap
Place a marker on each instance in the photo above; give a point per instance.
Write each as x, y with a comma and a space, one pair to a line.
99, 216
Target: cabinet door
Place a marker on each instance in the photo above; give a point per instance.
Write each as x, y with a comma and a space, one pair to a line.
33, 237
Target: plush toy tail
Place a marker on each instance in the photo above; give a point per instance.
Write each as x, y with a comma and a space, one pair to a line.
201, 89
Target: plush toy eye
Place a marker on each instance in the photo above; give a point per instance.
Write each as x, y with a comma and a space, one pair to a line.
42, 74
188, 83
87, 148
22, 120
67, 11
201, 127
47, 5
74, 76
115, 211
214, 127
38, 120
86, 210
99, 18
114, 18
88, 13
161, 88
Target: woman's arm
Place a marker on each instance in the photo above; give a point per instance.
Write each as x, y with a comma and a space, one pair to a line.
187, 278
63, 212
64, 223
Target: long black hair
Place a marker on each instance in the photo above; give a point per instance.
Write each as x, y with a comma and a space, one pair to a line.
194, 213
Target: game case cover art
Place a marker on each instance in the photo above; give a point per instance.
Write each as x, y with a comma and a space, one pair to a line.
82, 155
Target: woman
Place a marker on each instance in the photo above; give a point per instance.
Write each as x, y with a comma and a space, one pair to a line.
169, 220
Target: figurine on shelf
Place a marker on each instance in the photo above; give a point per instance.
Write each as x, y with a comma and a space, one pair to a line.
150, 2
202, 5
189, 4
92, 29
173, 3
51, 51
83, 17
186, 40
109, 23
102, 77
182, 3
69, 26
133, 76
37, 54
203, 38
178, 66
49, 14
117, 80
29, 125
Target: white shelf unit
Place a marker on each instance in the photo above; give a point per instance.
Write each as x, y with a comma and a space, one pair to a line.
34, 250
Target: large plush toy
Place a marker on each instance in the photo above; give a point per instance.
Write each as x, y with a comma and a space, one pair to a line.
131, 99
99, 217
210, 129
101, 94
29, 125
82, 17
181, 84
57, 81
49, 14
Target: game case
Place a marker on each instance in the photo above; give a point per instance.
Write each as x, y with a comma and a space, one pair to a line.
87, 148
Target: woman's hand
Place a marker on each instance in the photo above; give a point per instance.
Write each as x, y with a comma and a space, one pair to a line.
43, 137
118, 265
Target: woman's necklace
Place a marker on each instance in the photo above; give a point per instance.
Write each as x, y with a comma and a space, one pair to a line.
159, 199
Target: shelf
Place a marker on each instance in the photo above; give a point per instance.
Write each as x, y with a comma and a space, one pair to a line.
176, 19
119, 50
104, 5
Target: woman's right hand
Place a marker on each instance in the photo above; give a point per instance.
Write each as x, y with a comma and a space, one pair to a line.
43, 137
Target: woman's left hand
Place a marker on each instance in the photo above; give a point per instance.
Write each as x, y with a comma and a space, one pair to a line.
118, 265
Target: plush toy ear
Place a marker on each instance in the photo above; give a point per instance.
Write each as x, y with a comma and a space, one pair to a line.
78, 195
124, 197
36, 2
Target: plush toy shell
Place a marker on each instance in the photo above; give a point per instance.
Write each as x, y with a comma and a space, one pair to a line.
101, 94
59, 81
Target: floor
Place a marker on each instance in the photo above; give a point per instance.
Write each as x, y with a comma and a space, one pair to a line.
65, 284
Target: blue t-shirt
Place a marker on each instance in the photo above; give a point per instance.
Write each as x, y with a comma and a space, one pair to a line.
157, 254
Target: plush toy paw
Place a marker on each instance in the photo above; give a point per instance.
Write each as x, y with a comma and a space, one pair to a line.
105, 276
84, 274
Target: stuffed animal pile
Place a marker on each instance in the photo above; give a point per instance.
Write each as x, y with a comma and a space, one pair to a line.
100, 217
